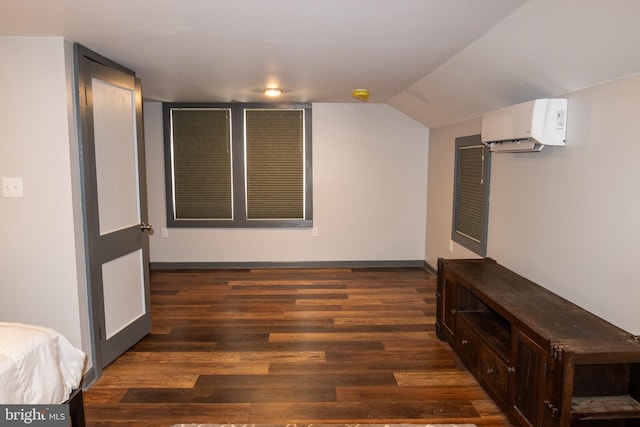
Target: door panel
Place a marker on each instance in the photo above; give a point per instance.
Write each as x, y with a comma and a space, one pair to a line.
123, 292
114, 190
114, 117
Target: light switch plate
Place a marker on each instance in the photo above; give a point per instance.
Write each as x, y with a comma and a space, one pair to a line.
12, 187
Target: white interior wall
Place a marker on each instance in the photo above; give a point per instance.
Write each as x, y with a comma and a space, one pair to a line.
564, 217
369, 195
41, 254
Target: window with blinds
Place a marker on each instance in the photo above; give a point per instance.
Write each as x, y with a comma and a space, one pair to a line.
238, 165
275, 164
471, 196
201, 163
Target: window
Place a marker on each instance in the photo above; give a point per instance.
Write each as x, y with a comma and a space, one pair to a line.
238, 165
471, 194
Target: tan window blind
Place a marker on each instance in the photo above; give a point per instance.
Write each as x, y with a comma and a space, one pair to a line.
274, 144
202, 182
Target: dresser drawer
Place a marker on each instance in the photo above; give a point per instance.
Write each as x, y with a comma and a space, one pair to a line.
466, 343
493, 372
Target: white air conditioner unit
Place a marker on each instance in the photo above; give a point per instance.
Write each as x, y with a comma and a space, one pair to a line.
526, 127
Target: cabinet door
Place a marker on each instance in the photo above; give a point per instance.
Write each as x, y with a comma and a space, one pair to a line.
557, 400
440, 300
528, 379
446, 308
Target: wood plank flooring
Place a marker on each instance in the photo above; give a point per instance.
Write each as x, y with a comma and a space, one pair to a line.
290, 346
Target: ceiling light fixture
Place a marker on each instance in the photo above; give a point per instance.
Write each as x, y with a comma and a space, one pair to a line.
273, 91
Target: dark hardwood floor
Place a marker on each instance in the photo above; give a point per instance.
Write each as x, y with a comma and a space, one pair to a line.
287, 346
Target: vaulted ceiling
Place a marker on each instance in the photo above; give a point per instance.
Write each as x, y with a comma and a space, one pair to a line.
438, 61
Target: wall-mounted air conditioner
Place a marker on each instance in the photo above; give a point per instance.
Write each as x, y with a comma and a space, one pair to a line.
526, 127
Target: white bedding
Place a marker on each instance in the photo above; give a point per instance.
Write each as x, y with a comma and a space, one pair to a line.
37, 365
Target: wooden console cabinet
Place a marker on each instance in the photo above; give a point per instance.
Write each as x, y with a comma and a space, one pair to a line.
545, 361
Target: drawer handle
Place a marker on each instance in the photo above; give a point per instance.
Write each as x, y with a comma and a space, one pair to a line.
464, 342
490, 371
554, 411
511, 369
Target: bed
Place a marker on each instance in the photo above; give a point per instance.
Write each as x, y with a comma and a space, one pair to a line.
38, 366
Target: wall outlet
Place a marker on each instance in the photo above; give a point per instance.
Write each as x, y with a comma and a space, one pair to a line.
164, 233
12, 187
314, 232
450, 245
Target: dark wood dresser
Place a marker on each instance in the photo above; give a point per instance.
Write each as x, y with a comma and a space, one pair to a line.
544, 360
